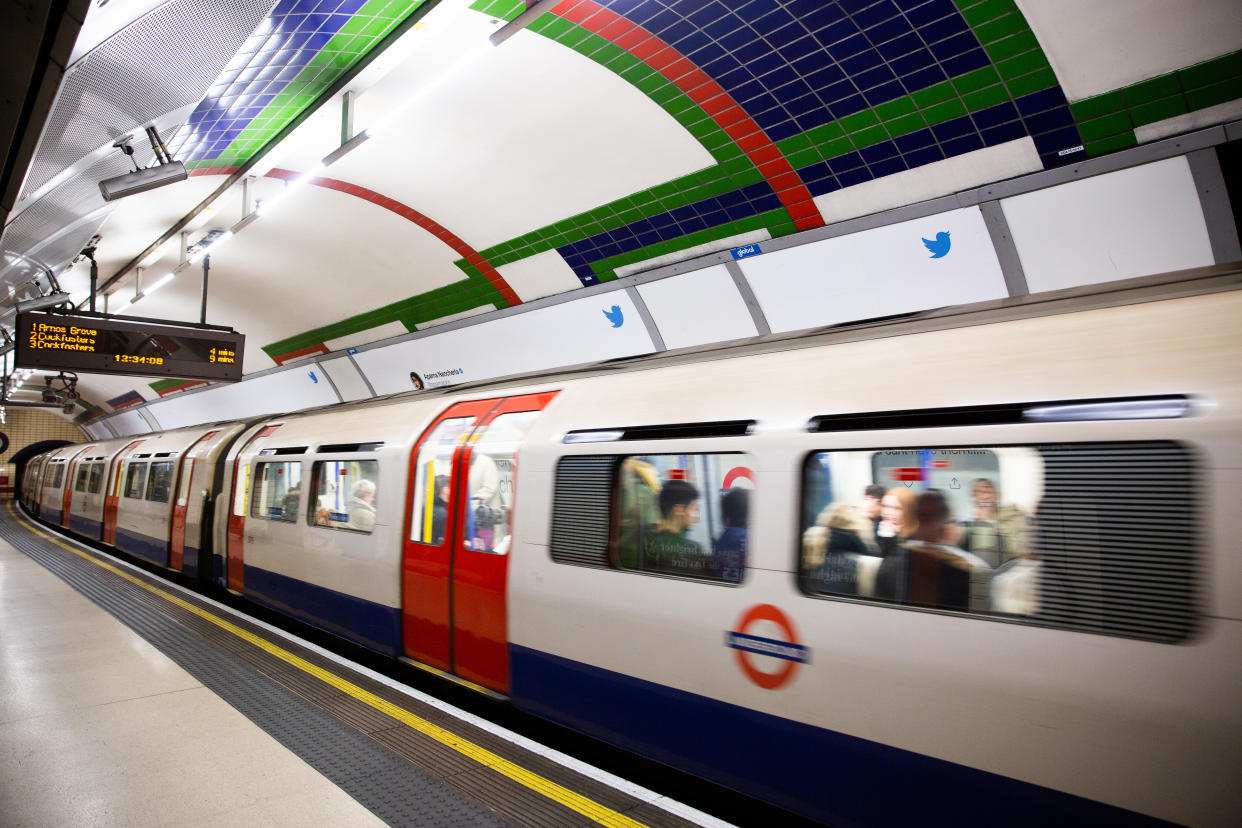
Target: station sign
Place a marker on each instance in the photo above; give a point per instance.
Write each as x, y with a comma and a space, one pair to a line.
91, 345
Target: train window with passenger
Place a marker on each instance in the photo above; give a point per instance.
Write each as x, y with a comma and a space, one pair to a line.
136, 480
433, 483
669, 514
79, 485
159, 484
277, 491
344, 494
1099, 537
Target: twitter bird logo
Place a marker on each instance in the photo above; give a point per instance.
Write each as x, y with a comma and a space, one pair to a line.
615, 316
940, 247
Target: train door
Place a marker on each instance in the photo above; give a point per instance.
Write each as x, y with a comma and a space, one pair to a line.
455, 566
70, 485
112, 487
236, 546
185, 468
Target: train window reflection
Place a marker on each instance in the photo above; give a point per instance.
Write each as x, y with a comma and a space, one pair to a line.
683, 514
58, 475
1093, 536
96, 478
79, 485
490, 482
136, 480
277, 491
344, 494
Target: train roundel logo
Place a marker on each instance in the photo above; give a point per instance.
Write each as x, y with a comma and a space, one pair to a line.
755, 651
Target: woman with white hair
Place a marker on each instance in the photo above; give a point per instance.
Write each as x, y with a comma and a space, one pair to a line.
362, 506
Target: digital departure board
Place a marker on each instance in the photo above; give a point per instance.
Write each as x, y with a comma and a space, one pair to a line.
63, 342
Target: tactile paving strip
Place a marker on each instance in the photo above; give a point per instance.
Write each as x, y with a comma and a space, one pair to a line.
399, 773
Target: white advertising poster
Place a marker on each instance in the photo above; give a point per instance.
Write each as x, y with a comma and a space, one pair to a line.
299, 387
604, 326
945, 259
697, 308
1120, 225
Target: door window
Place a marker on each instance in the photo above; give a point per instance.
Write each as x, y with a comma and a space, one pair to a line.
277, 491
136, 480
490, 482
434, 478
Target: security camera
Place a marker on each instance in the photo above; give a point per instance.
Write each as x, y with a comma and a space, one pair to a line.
68, 408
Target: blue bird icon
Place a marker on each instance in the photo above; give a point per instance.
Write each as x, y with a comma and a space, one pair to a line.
940, 247
615, 316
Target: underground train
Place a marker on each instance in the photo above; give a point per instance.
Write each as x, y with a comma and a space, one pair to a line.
974, 566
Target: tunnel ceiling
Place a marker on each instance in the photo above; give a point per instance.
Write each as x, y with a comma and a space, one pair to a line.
606, 137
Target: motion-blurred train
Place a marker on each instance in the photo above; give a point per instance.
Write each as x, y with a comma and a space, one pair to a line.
575, 541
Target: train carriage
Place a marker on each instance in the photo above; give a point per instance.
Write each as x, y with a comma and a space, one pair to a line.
1044, 625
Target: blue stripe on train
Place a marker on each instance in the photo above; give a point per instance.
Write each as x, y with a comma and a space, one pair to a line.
372, 625
146, 547
85, 526
829, 776
51, 514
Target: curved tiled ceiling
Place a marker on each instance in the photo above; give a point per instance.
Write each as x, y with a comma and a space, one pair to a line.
614, 135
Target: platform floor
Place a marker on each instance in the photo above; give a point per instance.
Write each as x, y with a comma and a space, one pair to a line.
126, 701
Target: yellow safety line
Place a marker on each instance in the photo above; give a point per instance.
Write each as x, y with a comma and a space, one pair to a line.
553, 791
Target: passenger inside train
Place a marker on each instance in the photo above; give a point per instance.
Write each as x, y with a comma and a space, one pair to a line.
942, 533
676, 517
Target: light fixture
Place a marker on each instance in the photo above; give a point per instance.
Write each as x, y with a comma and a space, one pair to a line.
167, 171
43, 302
159, 283
533, 10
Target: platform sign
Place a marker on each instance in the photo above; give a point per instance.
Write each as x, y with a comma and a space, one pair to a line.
85, 344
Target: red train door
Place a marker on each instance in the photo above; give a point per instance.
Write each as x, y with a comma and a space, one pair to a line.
71, 469
176, 540
456, 563
237, 515
112, 493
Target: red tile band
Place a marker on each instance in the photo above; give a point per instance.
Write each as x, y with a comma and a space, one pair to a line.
705, 92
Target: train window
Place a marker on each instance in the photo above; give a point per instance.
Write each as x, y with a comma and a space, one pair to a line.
490, 482
95, 482
1097, 537
277, 491
670, 514
136, 480
159, 486
344, 493
79, 485
58, 475
433, 484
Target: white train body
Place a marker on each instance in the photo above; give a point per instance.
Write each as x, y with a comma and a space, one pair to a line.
844, 704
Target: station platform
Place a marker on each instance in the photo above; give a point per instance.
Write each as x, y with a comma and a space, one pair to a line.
126, 700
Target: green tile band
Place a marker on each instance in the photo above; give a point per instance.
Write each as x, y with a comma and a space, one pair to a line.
1107, 121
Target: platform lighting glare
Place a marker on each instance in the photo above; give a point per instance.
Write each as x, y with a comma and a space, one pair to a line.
265, 208
1122, 410
159, 283
607, 436
426, 89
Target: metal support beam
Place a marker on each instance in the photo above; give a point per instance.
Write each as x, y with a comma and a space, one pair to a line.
347, 117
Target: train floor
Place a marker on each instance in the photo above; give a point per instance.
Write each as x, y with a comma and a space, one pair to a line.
125, 700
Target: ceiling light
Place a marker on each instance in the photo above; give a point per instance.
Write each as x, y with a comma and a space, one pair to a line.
167, 171
159, 283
